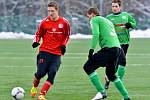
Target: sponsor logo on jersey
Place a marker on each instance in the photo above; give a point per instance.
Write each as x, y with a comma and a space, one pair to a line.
124, 17
54, 29
60, 25
112, 19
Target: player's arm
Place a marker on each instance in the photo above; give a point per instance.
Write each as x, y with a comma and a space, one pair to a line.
95, 37
65, 38
67, 34
95, 33
131, 22
38, 36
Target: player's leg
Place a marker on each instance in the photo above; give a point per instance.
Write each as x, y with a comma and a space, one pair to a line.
125, 48
120, 68
98, 59
107, 82
54, 64
97, 83
34, 88
122, 61
110, 72
121, 65
41, 72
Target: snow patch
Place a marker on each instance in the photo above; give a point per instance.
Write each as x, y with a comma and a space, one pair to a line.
11, 35
140, 33
80, 36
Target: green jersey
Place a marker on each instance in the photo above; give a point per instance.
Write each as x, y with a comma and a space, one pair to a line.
103, 32
119, 22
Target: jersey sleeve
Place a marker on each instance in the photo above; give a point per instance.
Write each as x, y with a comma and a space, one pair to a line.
108, 17
95, 33
132, 21
67, 33
39, 33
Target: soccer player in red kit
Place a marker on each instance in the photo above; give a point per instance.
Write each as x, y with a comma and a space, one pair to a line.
54, 31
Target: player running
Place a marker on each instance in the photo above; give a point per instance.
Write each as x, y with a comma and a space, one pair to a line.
103, 33
122, 21
54, 31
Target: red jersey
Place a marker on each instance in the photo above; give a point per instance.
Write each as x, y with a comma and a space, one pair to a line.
54, 34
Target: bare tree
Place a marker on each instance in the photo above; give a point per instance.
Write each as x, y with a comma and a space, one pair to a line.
21, 15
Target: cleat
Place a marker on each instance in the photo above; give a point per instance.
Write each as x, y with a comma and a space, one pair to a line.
104, 95
33, 91
99, 96
127, 99
41, 97
107, 82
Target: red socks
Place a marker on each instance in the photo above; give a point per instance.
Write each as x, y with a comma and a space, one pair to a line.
45, 87
36, 82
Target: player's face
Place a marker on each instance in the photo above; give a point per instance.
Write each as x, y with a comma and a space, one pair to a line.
53, 13
90, 16
116, 8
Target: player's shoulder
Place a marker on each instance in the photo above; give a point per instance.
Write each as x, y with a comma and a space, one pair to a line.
125, 13
96, 18
109, 15
64, 20
42, 21
45, 19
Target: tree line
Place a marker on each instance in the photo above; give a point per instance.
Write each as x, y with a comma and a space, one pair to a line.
23, 15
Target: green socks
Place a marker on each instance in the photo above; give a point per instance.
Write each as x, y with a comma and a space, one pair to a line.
96, 82
119, 85
121, 71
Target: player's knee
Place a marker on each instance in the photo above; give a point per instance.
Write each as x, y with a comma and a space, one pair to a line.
123, 63
51, 76
122, 60
40, 75
111, 77
87, 69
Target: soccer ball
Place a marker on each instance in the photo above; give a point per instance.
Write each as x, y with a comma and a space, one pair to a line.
18, 93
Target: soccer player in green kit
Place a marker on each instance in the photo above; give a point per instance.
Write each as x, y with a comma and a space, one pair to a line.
122, 21
103, 32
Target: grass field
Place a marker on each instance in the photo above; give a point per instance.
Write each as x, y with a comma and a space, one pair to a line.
17, 66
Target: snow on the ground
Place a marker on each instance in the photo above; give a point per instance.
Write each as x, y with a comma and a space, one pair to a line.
140, 33
11, 35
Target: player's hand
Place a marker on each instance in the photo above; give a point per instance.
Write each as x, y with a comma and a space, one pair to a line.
63, 49
128, 25
91, 51
35, 44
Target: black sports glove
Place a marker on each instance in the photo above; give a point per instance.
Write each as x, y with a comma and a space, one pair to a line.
91, 51
35, 44
63, 49
128, 25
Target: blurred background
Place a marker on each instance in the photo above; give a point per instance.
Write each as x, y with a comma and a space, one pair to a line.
25, 15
